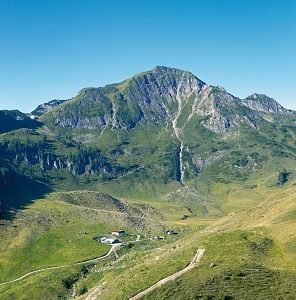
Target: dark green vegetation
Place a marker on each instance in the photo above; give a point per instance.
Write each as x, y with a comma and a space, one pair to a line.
159, 150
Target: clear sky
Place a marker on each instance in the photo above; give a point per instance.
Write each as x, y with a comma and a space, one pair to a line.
50, 49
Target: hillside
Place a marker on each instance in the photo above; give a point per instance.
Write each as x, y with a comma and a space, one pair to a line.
252, 255
162, 150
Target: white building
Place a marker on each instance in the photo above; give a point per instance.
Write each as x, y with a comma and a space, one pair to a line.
107, 240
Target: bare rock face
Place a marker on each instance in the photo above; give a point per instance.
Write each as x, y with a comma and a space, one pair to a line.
156, 93
217, 105
167, 82
77, 121
208, 161
263, 103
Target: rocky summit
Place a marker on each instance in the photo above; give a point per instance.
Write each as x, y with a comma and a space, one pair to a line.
46, 107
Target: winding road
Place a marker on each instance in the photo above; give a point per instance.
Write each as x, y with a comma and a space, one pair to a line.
163, 281
112, 249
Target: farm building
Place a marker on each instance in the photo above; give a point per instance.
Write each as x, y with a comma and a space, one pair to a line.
107, 240
118, 232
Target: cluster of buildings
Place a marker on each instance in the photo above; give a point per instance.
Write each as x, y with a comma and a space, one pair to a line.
168, 232
118, 232
115, 234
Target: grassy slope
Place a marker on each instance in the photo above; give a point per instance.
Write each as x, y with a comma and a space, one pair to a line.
48, 233
52, 232
58, 230
255, 255
254, 258
251, 249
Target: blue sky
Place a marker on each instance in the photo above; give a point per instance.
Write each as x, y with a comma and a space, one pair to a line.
50, 49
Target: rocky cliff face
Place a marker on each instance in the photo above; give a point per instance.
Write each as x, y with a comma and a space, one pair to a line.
40, 154
158, 92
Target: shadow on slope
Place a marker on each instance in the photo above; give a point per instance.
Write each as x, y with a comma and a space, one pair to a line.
17, 191
12, 120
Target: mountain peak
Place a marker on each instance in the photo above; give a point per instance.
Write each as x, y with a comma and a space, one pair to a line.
259, 97
46, 107
262, 102
164, 69
256, 96
169, 71
161, 68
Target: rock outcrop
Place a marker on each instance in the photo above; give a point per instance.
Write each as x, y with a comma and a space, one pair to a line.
46, 107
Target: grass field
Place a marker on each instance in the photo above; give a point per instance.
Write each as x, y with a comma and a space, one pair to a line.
47, 234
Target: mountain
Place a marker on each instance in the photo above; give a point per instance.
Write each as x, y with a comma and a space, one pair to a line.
46, 107
160, 95
103, 132
159, 152
14, 119
175, 101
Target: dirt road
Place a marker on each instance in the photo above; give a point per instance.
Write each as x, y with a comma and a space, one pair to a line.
112, 249
163, 281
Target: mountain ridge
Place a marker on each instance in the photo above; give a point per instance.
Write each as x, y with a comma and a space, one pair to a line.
141, 98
